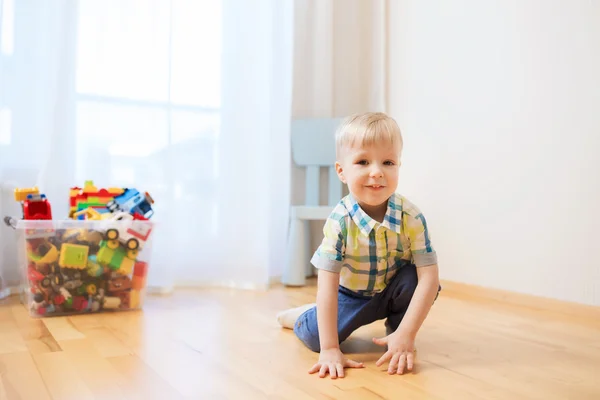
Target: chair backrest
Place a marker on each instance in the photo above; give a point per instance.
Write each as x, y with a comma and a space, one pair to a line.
313, 147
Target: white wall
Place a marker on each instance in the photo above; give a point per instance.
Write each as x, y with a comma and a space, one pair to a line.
499, 102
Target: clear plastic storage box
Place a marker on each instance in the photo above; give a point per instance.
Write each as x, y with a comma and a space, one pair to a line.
83, 266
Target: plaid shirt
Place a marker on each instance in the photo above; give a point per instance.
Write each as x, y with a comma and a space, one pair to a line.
367, 253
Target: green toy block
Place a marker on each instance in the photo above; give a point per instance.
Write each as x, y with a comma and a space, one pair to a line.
73, 256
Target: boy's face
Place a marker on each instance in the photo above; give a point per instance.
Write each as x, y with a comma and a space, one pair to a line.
371, 173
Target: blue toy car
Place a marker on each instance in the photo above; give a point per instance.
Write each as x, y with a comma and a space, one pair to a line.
132, 201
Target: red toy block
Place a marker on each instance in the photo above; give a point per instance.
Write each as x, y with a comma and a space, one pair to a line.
138, 282
79, 303
140, 269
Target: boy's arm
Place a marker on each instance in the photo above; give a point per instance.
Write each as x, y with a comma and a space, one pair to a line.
401, 343
327, 309
329, 261
331, 359
421, 302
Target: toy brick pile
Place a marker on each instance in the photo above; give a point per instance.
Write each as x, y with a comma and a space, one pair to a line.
80, 267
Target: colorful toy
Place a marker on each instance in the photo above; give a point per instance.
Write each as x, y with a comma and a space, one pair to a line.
73, 256
21, 194
131, 201
33, 204
36, 206
85, 267
41, 252
89, 214
69, 274
116, 257
133, 235
90, 197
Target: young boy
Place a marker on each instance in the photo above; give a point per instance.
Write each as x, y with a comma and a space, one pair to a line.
376, 260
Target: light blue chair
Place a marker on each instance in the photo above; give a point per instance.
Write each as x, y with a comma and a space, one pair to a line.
313, 147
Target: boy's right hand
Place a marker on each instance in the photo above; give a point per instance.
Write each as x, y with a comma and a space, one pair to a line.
334, 361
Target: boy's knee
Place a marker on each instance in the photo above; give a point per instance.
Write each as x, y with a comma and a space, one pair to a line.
306, 329
311, 341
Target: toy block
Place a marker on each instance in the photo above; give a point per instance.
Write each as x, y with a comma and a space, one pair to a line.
116, 259
126, 266
118, 284
111, 302
136, 298
105, 254
140, 269
73, 256
21, 194
125, 297
138, 282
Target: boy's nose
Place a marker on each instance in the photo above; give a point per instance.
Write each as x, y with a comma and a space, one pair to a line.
376, 172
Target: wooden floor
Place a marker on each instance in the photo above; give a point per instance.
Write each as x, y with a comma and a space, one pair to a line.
226, 344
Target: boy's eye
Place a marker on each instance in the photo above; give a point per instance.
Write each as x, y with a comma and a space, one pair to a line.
389, 162
362, 162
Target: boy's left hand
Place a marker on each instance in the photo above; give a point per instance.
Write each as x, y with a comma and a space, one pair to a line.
401, 352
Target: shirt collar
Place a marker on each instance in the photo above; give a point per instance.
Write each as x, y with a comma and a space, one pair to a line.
391, 220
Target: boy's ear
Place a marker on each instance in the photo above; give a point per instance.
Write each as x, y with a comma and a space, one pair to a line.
340, 172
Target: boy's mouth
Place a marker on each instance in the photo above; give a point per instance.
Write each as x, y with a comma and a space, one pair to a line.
375, 187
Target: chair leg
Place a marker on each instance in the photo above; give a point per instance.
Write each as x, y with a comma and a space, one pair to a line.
309, 268
294, 272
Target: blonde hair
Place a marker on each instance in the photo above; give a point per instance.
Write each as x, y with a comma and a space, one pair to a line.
367, 129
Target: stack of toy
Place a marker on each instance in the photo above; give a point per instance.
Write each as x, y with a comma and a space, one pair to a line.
91, 203
90, 262
78, 270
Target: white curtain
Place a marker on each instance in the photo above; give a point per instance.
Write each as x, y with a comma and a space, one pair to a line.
189, 100
341, 57
340, 68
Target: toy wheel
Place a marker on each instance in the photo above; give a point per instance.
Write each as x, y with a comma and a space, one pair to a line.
112, 234
91, 289
58, 280
112, 244
133, 244
43, 249
45, 283
132, 254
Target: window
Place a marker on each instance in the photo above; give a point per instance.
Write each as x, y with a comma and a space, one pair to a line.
148, 94
5, 126
7, 17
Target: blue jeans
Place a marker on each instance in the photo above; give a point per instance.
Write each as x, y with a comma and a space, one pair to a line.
355, 310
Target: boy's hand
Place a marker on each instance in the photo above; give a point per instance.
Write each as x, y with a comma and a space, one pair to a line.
334, 361
401, 351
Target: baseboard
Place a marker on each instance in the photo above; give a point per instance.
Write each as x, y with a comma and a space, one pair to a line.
159, 289
276, 280
470, 292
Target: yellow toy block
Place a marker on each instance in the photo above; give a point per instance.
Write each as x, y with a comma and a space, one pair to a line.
89, 213
89, 187
21, 194
126, 266
136, 297
73, 256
